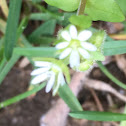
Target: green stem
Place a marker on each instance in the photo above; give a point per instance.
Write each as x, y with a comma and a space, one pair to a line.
110, 76
81, 7
21, 96
8, 66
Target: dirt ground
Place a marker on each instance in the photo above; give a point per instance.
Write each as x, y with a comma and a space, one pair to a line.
28, 111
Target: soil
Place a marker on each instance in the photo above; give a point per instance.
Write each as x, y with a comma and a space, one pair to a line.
28, 111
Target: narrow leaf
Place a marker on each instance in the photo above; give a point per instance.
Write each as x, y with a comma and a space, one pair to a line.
21, 96
98, 116
7, 67
114, 48
12, 24
66, 94
47, 28
35, 51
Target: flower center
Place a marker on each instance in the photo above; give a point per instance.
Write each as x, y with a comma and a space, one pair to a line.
74, 43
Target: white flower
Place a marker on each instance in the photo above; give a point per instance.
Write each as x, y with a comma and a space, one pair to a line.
76, 45
49, 72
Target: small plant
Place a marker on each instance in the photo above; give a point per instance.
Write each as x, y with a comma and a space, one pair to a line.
77, 46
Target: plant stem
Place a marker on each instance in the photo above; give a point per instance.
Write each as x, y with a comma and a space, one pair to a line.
110, 76
81, 7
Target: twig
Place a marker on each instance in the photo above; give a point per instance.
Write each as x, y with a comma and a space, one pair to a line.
100, 108
102, 86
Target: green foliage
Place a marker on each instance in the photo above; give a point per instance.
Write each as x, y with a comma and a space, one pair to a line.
66, 94
123, 123
21, 96
81, 21
66, 5
98, 116
105, 10
122, 4
46, 28
114, 47
11, 29
110, 76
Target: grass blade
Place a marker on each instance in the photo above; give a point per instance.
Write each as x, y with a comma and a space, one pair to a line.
11, 29
8, 66
66, 94
110, 76
98, 116
36, 51
123, 123
21, 96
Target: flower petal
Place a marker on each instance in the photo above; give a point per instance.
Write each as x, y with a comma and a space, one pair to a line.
62, 45
88, 46
66, 35
65, 53
39, 78
40, 71
84, 53
50, 82
74, 59
42, 64
62, 80
73, 32
84, 35
58, 84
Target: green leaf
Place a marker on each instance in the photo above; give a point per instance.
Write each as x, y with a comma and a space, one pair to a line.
44, 16
8, 66
114, 48
105, 10
66, 94
43, 40
21, 96
36, 1
110, 76
81, 21
123, 123
66, 5
97, 56
122, 4
11, 29
35, 51
47, 28
98, 116
22, 26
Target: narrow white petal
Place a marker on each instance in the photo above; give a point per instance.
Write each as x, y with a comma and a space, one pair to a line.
84, 35
65, 53
88, 46
74, 59
39, 78
50, 83
62, 79
62, 45
66, 35
42, 63
58, 84
84, 53
40, 71
73, 32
